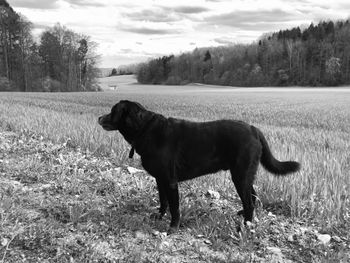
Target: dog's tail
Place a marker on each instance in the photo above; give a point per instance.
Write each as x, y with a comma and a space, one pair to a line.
270, 163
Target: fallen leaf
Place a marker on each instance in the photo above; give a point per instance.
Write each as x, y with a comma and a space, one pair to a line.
324, 239
213, 194
4, 242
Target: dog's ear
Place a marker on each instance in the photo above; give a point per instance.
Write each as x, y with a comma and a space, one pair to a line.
136, 114
131, 114
141, 115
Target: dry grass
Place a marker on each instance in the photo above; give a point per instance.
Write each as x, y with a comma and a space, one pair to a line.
310, 127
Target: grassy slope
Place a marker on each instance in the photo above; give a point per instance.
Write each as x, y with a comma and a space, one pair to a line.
63, 202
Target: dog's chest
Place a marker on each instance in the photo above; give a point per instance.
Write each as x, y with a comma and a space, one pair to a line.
156, 163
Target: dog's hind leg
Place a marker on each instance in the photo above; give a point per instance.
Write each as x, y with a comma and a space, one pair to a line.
243, 174
244, 191
241, 212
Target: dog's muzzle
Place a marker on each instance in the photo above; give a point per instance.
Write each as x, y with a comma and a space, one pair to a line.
100, 120
105, 123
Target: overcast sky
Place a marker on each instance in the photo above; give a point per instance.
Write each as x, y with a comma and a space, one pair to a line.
130, 31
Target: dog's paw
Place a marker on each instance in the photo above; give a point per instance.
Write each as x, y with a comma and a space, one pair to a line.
156, 216
247, 226
173, 230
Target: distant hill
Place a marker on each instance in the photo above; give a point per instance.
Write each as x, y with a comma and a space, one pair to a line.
105, 72
318, 55
114, 82
121, 70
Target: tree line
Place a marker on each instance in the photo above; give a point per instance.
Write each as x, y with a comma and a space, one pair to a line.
123, 70
61, 60
319, 55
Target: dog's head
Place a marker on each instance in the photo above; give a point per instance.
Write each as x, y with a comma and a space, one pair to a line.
124, 114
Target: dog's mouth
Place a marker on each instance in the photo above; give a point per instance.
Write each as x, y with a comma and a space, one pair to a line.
107, 127
105, 123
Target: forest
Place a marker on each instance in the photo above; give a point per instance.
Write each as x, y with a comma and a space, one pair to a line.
61, 60
318, 55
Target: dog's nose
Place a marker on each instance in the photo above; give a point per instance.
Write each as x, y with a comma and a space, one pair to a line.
99, 120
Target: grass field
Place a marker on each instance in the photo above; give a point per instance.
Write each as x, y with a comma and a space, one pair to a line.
77, 206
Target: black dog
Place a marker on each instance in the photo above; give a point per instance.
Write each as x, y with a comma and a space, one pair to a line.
174, 150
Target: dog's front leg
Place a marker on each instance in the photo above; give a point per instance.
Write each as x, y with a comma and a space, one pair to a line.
162, 199
172, 193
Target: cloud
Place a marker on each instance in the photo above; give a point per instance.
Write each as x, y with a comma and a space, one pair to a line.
111, 61
35, 4
40, 26
156, 15
224, 41
165, 14
301, 1
252, 20
343, 5
143, 30
240, 17
126, 50
189, 9
81, 3
216, 0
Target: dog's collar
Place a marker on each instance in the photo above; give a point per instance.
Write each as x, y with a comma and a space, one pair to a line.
142, 131
132, 151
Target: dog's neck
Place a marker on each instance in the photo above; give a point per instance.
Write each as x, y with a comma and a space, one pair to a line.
133, 133
142, 131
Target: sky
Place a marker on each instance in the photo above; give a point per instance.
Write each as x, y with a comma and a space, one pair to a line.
133, 31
